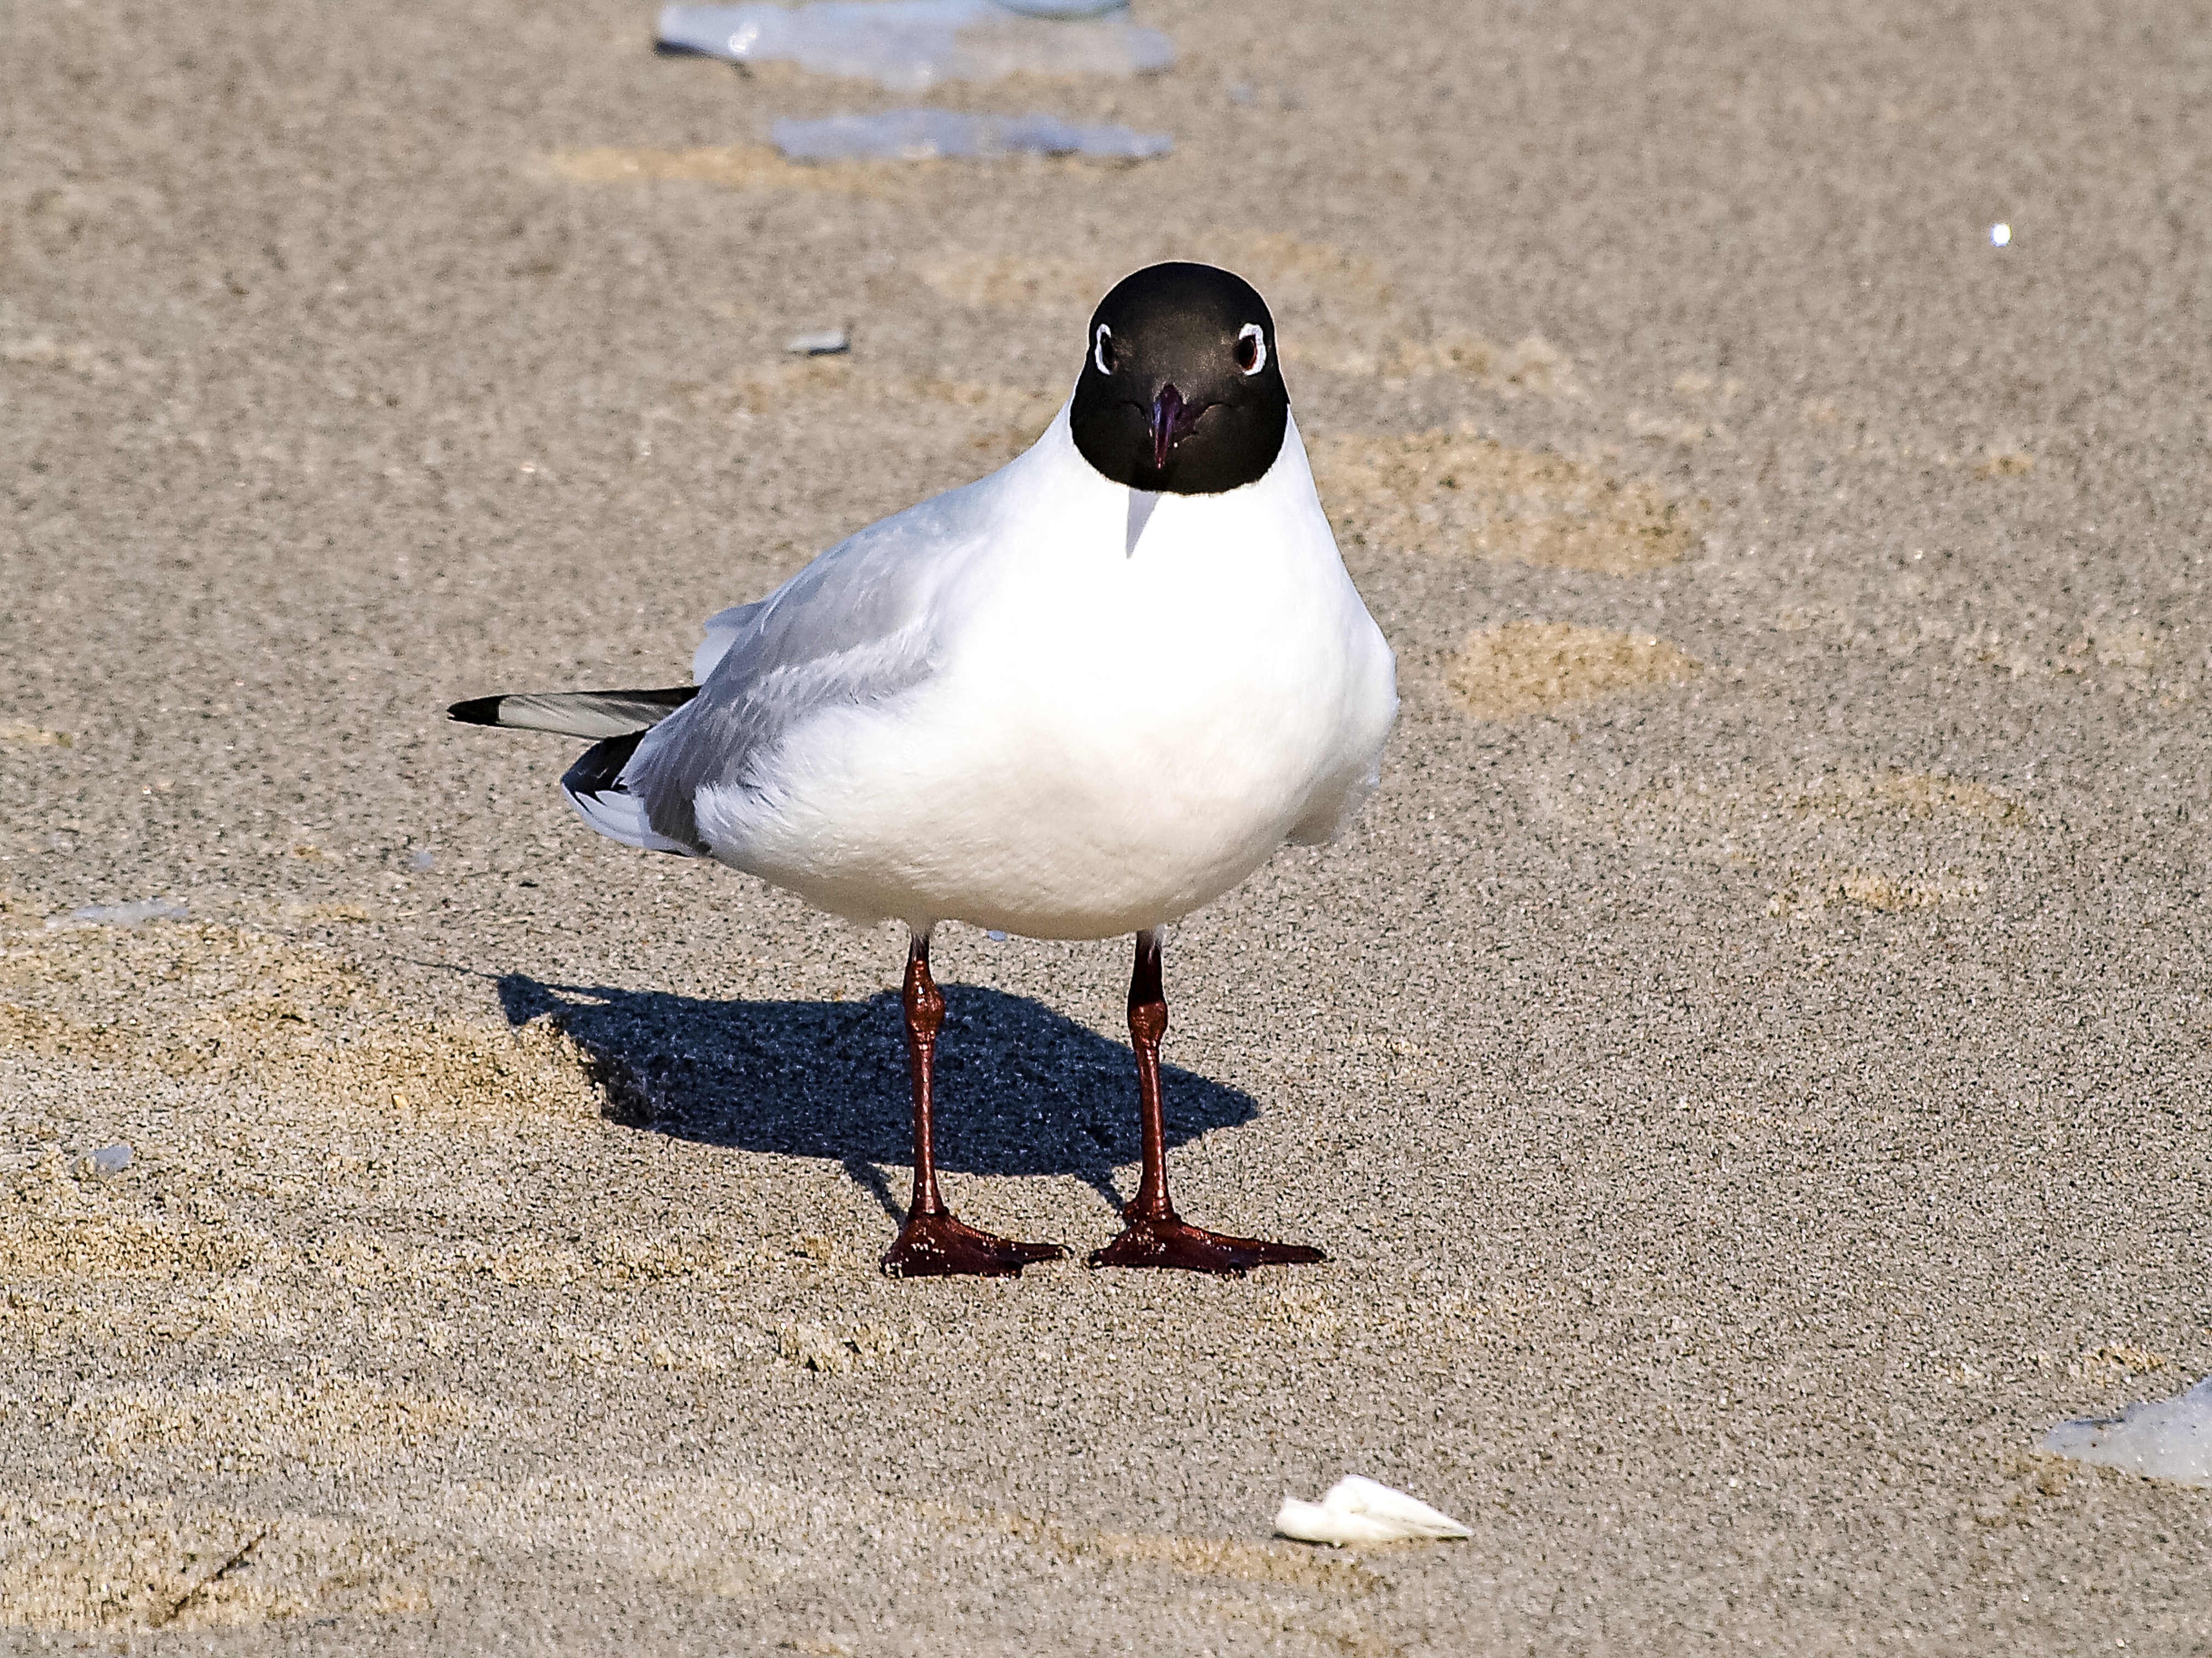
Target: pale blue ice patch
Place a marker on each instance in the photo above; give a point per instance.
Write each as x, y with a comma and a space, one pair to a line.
133, 914
1065, 8
109, 1161
922, 134
2161, 1439
910, 46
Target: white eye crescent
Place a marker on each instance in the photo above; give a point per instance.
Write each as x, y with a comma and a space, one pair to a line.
1251, 347
1098, 348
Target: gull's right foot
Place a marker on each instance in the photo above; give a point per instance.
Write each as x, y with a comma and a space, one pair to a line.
1171, 1242
938, 1245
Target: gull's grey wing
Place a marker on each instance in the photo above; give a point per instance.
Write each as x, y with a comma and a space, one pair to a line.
856, 626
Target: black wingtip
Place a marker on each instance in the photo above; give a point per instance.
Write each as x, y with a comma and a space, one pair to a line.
599, 768
476, 711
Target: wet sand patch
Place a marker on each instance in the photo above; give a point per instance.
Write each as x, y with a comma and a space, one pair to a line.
15, 734
1294, 275
2122, 655
198, 1002
1890, 840
731, 166
765, 388
77, 1562
2003, 457
36, 1242
245, 1425
1531, 364
1335, 308
997, 421
1523, 668
1222, 1557
761, 167
1056, 285
1892, 891
1454, 494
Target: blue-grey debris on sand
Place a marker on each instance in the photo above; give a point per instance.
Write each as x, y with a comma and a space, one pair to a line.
133, 914
921, 134
107, 1162
2160, 1439
910, 46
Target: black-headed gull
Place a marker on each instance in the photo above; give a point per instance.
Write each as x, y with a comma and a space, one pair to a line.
1080, 697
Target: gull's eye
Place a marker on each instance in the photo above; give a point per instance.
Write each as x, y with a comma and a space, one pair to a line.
1102, 350
1251, 349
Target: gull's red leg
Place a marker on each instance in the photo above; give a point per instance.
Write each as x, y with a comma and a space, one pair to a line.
1153, 1234
932, 1243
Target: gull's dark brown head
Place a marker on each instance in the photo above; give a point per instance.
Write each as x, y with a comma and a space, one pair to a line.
1182, 391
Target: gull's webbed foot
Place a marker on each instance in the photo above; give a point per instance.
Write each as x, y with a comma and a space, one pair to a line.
938, 1245
1171, 1242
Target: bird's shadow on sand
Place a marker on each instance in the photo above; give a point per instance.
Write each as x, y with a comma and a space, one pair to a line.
1021, 1091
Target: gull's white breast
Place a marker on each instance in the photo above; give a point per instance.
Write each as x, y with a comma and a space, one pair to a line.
1112, 734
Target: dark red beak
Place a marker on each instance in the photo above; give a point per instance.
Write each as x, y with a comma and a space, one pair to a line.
1168, 424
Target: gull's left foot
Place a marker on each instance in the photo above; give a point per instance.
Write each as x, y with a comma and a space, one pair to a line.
1171, 1242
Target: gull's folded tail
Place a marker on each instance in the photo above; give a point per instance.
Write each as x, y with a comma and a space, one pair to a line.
576, 714
616, 720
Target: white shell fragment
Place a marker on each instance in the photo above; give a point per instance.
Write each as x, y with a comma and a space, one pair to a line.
2162, 1439
830, 343
1357, 1510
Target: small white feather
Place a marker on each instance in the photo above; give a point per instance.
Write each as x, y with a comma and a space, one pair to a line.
1355, 1495
1309, 1523
1359, 1511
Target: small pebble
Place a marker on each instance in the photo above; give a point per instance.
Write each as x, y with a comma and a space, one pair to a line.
830, 343
424, 859
1999, 235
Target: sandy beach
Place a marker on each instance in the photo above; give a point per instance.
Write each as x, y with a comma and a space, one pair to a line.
1750, 1066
